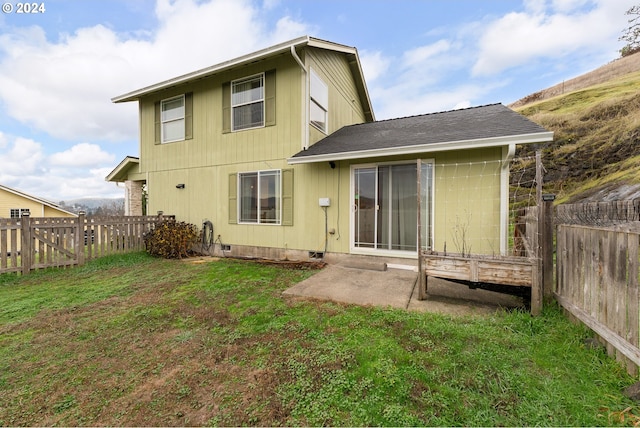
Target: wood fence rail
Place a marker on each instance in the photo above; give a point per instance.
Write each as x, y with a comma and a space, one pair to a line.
598, 213
597, 282
32, 243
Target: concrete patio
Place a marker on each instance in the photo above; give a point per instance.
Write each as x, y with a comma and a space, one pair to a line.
398, 288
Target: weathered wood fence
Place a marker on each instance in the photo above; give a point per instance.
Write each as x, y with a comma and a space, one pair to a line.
598, 271
32, 243
598, 213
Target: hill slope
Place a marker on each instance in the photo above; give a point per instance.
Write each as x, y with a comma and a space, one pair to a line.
595, 154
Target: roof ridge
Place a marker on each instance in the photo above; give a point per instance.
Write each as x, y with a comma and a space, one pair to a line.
439, 112
421, 115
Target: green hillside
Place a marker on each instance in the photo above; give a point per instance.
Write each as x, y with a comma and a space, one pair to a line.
595, 154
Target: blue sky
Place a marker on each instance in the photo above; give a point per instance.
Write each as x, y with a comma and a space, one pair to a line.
60, 134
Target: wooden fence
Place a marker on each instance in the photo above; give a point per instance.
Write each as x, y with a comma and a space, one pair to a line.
32, 243
597, 282
598, 213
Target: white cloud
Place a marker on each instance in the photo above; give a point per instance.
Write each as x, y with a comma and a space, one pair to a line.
82, 155
64, 87
374, 64
541, 31
64, 175
24, 156
422, 54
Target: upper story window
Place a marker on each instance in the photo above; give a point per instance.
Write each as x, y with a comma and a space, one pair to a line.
247, 102
17, 212
173, 119
319, 105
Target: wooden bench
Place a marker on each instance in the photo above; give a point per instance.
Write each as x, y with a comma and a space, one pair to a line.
479, 270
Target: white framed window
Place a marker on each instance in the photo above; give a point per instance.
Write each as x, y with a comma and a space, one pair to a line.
247, 103
17, 212
319, 105
172, 119
260, 197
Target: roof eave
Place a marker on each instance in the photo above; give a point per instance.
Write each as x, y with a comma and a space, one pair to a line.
539, 137
361, 86
245, 59
127, 162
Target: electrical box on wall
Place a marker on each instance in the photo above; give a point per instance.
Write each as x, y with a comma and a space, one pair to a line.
325, 202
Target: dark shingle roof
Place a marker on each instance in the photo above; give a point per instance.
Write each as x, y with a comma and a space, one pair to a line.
493, 121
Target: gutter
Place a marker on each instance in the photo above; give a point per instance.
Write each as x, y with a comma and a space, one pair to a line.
425, 148
305, 100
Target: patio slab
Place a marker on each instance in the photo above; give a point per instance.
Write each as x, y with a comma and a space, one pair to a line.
397, 288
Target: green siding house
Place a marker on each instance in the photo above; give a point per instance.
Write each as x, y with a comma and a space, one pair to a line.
280, 151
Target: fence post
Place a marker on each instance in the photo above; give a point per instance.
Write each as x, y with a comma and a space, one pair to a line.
27, 241
160, 213
547, 247
80, 238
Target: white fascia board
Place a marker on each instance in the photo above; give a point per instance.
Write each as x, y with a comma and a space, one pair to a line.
264, 53
325, 44
123, 164
540, 137
261, 54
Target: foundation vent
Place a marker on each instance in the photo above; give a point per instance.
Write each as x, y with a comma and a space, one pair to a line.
316, 255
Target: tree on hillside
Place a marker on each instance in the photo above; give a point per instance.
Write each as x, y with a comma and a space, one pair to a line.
631, 35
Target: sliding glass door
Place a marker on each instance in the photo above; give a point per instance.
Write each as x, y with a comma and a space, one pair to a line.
385, 206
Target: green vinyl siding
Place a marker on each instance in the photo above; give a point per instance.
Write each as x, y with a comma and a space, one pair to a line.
467, 201
345, 107
460, 199
209, 162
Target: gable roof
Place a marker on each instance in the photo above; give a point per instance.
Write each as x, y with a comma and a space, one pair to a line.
290, 46
485, 126
35, 199
121, 172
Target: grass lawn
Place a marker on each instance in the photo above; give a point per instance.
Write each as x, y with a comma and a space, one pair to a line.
132, 340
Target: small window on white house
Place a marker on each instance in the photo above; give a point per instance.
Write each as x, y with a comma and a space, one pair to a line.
319, 105
17, 212
173, 119
260, 197
247, 103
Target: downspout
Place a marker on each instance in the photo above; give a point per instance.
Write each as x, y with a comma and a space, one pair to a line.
508, 153
305, 100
